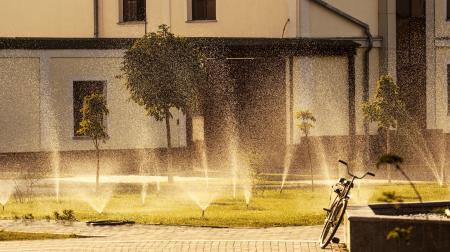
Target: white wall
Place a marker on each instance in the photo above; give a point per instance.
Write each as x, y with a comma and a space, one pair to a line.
321, 86
441, 87
441, 22
19, 104
46, 121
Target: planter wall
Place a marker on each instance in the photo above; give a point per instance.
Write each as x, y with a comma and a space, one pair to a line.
366, 228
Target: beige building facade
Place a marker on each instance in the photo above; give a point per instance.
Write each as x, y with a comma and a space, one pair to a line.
328, 58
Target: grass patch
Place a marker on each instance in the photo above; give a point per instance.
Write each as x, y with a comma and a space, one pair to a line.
294, 207
19, 236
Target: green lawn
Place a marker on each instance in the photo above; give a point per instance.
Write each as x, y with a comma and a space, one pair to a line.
17, 236
173, 207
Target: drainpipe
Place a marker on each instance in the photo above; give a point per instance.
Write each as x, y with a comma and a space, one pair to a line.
95, 18
366, 58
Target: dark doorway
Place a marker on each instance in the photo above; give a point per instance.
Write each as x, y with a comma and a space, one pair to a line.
260, 114
411, 57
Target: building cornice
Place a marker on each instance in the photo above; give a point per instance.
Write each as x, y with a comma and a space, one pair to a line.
255, 47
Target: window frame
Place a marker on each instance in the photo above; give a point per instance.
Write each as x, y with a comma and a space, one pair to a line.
447, 11
190, 14
74, 120
122, 13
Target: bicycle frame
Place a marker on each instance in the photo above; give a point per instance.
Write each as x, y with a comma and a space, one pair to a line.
339, 205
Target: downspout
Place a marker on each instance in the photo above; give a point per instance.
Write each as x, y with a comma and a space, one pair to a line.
366, 57
95, 18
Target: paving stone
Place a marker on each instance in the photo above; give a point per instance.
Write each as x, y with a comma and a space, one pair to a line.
166, 238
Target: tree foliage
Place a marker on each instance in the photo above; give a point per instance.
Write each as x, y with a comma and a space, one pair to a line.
93, 111
386, 107
307, 121
164, 71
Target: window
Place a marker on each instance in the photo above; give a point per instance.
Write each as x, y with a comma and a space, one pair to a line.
133, 10
403, 8
82, 89
448, 10
203, 10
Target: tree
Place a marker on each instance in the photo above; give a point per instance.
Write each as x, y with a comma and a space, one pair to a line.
94, 111
163, 71
307, 121
385, 109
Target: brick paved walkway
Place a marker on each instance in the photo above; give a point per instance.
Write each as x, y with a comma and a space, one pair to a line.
166, 238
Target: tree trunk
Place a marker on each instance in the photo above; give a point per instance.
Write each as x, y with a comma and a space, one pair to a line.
310, 164
169, 148
97, 178
387, 152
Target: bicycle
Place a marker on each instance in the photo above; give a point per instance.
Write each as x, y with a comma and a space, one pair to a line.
335, 214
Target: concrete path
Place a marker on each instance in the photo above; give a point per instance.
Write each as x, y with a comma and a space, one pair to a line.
166, 238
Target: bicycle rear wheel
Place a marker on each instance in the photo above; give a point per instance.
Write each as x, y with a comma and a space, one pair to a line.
332, 222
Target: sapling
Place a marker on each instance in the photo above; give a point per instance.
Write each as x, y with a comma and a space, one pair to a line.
94, 112
163, 71
385, 109
307, 121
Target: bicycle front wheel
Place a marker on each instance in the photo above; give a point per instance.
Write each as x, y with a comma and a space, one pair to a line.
332, 222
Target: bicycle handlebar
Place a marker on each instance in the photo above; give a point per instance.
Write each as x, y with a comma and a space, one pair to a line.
343, 162
349, 173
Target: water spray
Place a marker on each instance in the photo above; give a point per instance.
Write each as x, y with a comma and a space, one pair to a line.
144, 193
286, 166
6, 190
234, 164
158, 187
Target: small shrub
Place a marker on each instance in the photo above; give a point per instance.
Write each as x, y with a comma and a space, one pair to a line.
56, 215
68, 215
28, 217
47, 218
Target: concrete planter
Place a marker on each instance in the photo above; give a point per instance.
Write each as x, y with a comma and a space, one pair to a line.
366, 227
